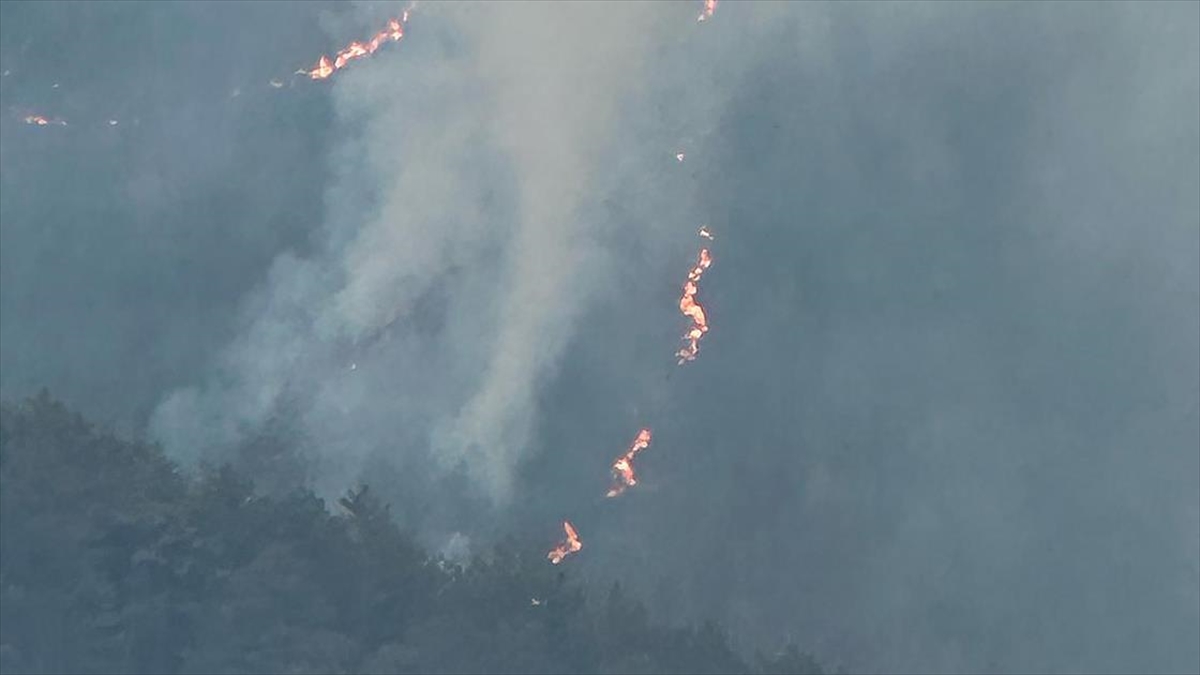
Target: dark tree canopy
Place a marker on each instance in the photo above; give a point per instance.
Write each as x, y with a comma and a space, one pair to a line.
112, 561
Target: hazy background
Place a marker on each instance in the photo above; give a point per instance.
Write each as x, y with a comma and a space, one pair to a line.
948, 415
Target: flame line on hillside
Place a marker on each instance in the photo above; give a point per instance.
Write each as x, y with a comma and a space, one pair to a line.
42, 121
572, 544
691, 308
326, 67
624, 476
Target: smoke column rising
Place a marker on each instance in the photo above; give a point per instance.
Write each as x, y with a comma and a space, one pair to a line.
457, 260
948, 414
948, 407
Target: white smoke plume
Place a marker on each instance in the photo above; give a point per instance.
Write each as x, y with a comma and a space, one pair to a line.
458, 260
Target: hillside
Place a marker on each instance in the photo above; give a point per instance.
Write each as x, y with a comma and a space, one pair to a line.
111, 560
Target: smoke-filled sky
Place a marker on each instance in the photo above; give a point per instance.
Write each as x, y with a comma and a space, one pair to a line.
948, 414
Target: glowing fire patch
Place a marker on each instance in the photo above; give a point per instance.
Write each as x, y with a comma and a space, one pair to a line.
572, 544
692, 309
326, 67
624, 476
39, 120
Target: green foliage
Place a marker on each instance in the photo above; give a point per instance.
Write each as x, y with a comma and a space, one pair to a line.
111, 561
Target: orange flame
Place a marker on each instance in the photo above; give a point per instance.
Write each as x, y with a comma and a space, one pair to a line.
710, 6
43, 121
622, 468
325, 67
571, 545
692, 309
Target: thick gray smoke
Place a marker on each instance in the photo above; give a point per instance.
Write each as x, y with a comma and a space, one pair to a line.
458, 256
948, 415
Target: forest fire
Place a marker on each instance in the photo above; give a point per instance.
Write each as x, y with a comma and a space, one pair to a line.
572, 544
623, 474
326, 67
39, 120
692, 309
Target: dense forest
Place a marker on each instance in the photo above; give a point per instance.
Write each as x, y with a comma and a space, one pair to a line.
113, 560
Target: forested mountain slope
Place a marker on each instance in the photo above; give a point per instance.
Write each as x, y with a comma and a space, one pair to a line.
111, 560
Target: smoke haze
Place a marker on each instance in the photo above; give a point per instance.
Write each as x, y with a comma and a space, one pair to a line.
948, 415
463, 187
